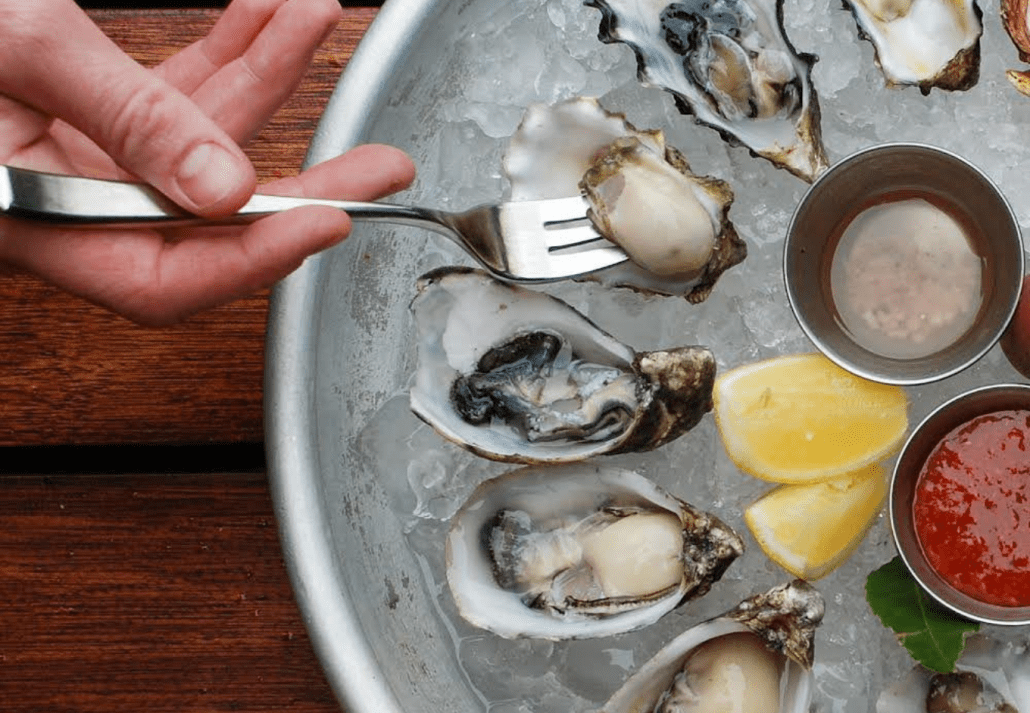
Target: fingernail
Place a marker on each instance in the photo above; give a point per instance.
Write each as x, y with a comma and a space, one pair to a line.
208, 174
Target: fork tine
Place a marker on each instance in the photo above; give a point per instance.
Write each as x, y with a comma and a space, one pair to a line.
578, 263
552, 239
564, 219
571, 237
561, 210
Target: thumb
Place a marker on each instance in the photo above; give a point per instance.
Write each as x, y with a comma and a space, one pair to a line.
62, 64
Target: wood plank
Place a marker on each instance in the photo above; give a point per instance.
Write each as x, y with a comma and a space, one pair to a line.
75, 374
149, 593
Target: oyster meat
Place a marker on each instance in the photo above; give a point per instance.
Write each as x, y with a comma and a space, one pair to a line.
990, 676
517, 375
756, 658
730, 64
641, 193
580, 551
926, 43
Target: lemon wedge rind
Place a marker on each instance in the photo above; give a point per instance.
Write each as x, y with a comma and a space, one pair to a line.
811, 529
802, 419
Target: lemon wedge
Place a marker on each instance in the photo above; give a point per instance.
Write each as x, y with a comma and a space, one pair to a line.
810, 529
802, 419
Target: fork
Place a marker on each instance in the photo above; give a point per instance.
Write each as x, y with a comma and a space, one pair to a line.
524, 241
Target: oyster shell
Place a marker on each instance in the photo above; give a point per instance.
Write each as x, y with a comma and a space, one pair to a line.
993, 675
517, 375
770, 636
642, 194
730, 64
580, 551
1017, 24
926, 43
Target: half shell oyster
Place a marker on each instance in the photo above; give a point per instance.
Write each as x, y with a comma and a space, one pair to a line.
517, 375
641, 193
580, 551
926, 43
756, 658
730, 64
991, 675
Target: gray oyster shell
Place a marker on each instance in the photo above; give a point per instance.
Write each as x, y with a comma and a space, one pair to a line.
730, 64
516, 375
520, 562
576, 146
784, 620
923, 43
1001, 668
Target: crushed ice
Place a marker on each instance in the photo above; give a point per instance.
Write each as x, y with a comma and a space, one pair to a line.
546, 50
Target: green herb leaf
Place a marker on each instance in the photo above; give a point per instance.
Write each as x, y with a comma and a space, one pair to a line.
932, 634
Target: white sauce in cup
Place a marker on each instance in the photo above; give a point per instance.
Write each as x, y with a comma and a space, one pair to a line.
905, 279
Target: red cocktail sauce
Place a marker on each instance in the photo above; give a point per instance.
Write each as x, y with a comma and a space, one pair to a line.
972, 508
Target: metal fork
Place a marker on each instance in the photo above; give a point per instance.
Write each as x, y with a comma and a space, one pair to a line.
522, 241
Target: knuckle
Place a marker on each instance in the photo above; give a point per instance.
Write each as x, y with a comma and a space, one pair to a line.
139, 123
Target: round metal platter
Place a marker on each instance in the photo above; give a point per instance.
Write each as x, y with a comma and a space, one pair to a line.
363, 491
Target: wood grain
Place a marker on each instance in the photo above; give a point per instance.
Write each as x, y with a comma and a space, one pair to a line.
154, 593
142, 593
74, 374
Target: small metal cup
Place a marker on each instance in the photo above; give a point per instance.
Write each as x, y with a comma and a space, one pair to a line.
862, 179
917, 449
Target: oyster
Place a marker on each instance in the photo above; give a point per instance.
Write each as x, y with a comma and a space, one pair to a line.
990, 677
1017, 24
755, 658
730, 64
517, 375
926, 43
641, 192
580, 551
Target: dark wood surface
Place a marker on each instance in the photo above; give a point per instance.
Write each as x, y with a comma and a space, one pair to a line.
149, 593
148, 590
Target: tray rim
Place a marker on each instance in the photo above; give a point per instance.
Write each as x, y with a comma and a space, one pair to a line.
339, 642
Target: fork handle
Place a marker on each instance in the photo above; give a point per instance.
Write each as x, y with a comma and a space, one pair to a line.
74, 201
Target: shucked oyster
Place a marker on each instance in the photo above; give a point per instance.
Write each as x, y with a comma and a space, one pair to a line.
580, 551
672, 223
519, 376
730, 64
756, 658
926, 43
990, 677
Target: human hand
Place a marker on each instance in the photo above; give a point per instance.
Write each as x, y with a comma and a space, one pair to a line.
72, 102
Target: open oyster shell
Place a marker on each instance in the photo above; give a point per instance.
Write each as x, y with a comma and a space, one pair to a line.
925, 43
993, 673
580, 551
730, 64
770, 637
519, 376
1016, 21
642, 194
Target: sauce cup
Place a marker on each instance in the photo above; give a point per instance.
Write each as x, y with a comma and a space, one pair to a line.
888, 175
949, 416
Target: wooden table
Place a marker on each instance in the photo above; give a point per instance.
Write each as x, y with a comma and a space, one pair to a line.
123, 586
